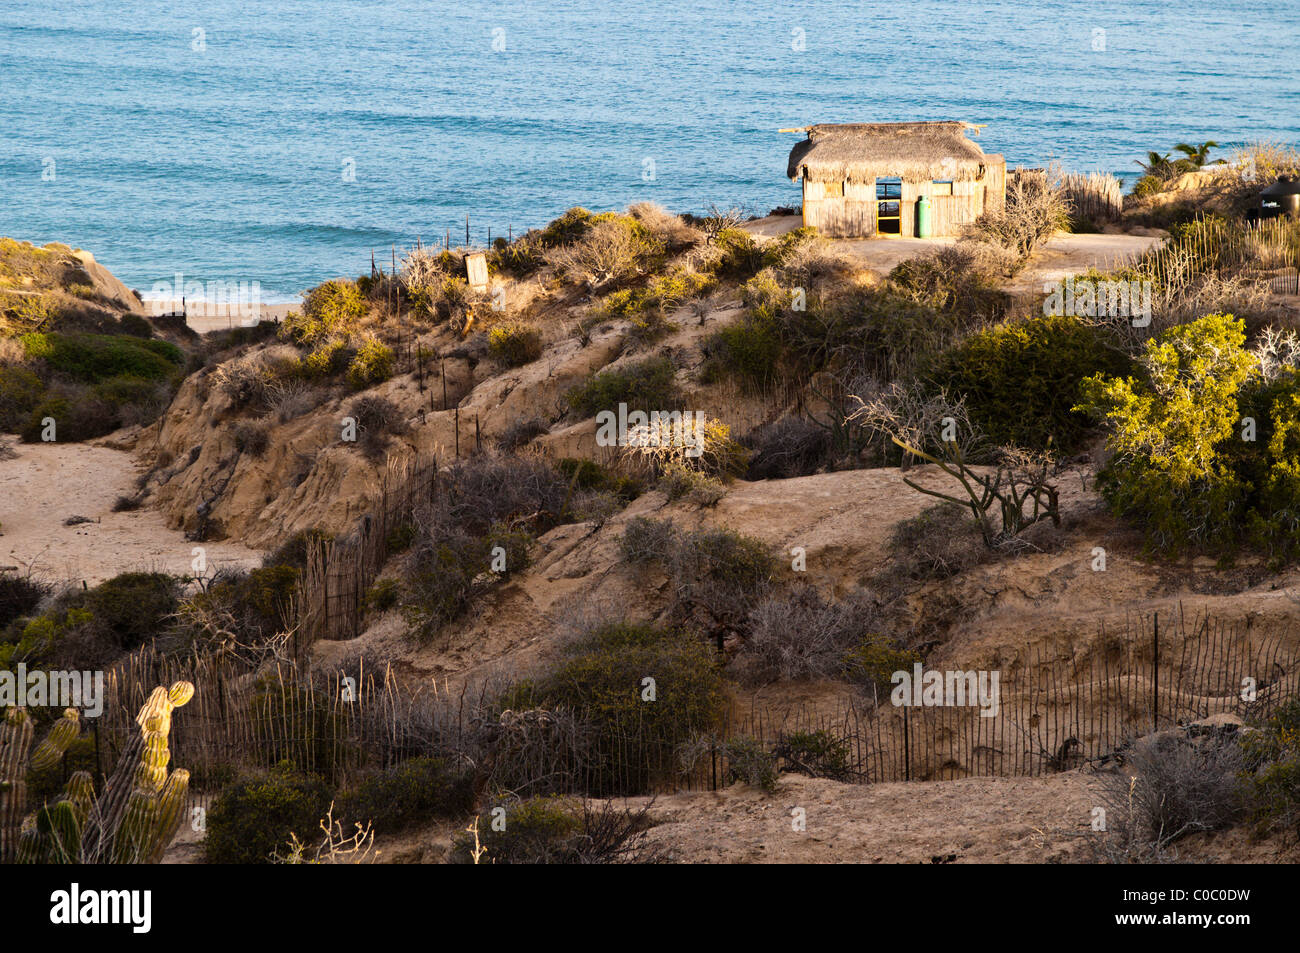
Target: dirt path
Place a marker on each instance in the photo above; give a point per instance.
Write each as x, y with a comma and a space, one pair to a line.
1060, 257
45, 484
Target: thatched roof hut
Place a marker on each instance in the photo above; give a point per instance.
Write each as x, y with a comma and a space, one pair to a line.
841, 165
912, 151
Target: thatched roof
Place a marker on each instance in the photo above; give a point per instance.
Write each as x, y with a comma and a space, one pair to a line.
860, 152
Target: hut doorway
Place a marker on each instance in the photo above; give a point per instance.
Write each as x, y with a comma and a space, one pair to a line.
889, 205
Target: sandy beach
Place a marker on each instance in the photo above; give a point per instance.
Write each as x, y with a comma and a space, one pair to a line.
204, 317
47, 484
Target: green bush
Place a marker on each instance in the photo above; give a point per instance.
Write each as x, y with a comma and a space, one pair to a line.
325, 360
90, 627
1272, 757
589, 475
333, 308
854, 331
566, 229
741, 256
751, 349
95, 625
258, 601
383, 595
21, 391
874, 660
407, 795
135, 605
603, 678
515, 344
647, 385
83, 412
92, 358
1180, 466
253, 819
20, 594
541, 830
135, 325
1023, 380
371, 365
817, 753
447, 576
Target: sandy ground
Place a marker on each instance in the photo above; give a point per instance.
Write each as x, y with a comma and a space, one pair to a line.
977, 820
46, 484
219, 318
1040, 820
1062, 256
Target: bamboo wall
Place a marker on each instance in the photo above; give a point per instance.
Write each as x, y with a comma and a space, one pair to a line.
848, 209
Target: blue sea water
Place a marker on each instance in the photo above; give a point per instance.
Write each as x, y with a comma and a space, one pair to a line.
215, 137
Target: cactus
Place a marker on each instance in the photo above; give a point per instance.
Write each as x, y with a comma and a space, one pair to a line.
16, 734
140, 810
142, 805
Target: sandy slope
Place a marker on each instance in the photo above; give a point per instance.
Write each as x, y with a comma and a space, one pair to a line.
47, 483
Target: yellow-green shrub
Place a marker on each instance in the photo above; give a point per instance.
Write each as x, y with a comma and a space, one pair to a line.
371, 365
334, 307
514, 344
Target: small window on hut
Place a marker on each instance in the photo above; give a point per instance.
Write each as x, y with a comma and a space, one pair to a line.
835, 190
943, 187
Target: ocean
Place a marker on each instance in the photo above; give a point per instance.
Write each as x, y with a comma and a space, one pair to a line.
286, 142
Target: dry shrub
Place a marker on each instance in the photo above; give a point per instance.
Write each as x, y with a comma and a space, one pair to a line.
520, 432
496, 489
377, 419
647, 540
964, 277
289, 398
817, 261
800, 634
614, 251
254, 380
1035, 208
789, 447
252, 437
1254, 167
719, 220
717, 575
424, 269
672, 230
548, 830
1170, 786
937, 543
920, 417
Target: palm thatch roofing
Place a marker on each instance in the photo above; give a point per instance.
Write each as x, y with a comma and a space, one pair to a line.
861, 152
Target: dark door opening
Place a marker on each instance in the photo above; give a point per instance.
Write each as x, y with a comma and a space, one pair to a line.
889, 205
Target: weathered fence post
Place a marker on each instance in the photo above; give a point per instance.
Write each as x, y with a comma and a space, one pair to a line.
1155, 672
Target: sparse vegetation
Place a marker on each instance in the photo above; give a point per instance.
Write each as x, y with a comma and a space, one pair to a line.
646, 385
515, 344
254, 818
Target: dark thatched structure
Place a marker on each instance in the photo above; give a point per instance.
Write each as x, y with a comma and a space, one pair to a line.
865, 179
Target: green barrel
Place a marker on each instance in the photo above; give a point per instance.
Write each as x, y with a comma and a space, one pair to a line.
923, 217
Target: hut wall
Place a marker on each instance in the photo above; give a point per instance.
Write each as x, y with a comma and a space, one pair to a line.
995, 182
840, 216
848, 209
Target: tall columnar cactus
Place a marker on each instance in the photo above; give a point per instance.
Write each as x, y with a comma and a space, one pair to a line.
152, 812
16, 733
141, 807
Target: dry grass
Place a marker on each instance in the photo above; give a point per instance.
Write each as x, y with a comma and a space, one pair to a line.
1035, 208
609, 254
670, 229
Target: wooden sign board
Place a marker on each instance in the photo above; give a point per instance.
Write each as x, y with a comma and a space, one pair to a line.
476, 271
